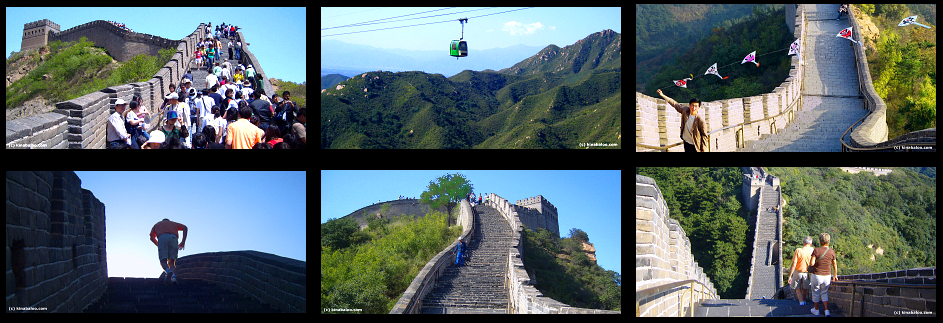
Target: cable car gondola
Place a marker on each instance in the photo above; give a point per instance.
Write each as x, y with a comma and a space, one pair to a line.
459, 48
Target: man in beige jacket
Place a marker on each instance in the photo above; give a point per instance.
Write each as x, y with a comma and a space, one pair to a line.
692, 129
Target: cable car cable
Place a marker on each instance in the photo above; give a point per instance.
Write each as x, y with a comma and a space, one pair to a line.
371, 22
428, 23
377, 23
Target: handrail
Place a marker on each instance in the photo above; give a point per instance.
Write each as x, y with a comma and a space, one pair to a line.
640, 294
854, 291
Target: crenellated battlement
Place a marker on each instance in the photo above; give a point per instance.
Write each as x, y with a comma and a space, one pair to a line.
55, 243
663, 257
538, 212
730, 123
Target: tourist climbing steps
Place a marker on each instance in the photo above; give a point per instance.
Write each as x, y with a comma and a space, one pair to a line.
478, 287
150, 295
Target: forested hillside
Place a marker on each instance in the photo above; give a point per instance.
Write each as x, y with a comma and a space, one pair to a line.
559, 98
877, 223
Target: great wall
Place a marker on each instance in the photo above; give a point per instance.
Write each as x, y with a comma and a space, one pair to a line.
827, 95
670, 283
57, 262
494, 280
80, 123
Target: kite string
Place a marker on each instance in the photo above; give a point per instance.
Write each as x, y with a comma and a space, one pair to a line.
764, 54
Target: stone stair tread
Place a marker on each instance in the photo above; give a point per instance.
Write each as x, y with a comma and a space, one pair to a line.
478, 287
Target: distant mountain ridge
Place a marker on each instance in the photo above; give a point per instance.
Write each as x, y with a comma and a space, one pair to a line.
567, 97
586, 54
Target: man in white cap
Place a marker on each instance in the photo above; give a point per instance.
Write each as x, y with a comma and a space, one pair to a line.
116, 132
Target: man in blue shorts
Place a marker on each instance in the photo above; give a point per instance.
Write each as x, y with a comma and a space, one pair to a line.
164, 236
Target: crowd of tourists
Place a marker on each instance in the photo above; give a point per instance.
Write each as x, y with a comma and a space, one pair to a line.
232, 112
120, 25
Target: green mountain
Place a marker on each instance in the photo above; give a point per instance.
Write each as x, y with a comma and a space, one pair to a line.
559, 98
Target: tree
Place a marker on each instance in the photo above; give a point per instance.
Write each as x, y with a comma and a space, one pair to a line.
446, 191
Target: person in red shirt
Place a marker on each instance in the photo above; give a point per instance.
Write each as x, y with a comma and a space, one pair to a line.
164, 236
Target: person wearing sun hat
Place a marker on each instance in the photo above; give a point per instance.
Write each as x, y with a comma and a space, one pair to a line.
116, 131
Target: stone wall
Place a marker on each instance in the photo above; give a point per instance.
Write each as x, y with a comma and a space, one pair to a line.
524, 297
873, 130
120, 43
278, 281
729, 122
538, 212
411, 301
55, 232
84, 125
887, 300
397, 207
663, 255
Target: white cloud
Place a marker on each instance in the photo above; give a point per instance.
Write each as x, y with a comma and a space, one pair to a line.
516, 28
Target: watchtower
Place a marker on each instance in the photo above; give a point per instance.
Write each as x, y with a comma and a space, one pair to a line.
36, 34
541, 214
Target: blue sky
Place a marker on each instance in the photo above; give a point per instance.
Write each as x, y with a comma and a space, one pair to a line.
277, 36
588, 200
530, 27
223, 211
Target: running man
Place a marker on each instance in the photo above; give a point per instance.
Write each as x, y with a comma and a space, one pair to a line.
164, 236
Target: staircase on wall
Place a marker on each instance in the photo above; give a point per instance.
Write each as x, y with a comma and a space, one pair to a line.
831, 101
764, 270
151, 295
199, 74
478, 287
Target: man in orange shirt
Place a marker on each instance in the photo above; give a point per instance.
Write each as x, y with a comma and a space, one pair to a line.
242, 134
164, 236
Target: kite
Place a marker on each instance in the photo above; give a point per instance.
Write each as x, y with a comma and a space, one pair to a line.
713, 70
682, 83
846, 34
794, 48
911, 20
750, 58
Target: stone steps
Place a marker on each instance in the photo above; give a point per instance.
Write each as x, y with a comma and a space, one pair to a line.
478, 287
152, 295
764, 268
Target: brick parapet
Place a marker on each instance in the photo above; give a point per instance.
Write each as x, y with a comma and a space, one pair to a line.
871, 300
411, 301
663, 255
523, 297
86, 115
56, 250
275, 280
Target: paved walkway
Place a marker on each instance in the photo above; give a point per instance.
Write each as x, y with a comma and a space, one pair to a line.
830, 99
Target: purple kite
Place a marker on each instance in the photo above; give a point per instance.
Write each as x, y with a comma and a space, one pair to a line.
750, 58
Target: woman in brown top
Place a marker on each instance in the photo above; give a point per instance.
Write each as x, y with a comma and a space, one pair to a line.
823, 258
